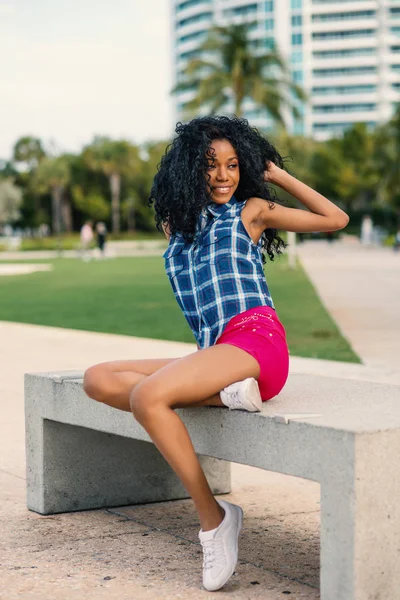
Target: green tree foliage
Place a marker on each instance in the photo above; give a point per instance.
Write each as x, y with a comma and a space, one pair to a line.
92, 205
53, 175
359, 170
10, 202
115, 159
387, 160
230, 69
28, 151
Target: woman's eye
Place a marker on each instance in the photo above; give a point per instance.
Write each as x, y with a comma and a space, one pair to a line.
233, 166
210, 167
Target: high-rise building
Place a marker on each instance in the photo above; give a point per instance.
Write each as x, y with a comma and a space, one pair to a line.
345, 54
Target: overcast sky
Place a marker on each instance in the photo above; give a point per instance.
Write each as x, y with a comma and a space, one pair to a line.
73, 69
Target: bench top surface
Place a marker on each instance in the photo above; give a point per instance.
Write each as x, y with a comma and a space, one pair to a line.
327, 402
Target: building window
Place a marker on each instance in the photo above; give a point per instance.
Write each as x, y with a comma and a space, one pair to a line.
394, 13
343, 71
269, 43
337, 108
269, 6
241, 11
189, 3
269, 24
344, 89
297, 76
297, 20
297, 39
353, 33
192, 36
296, 57
189, 55
395, 68
337, 127
395, 30
295, 4
396, 86
207, 16
344, 52
344, 16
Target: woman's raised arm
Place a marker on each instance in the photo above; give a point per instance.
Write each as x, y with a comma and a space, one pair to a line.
322, 214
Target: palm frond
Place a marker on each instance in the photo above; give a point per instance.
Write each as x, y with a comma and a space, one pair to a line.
232, 64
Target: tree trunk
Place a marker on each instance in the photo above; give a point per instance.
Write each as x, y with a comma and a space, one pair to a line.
66, 213
131, 215
115, 187
56, 198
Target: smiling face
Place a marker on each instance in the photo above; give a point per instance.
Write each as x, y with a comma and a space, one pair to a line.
223, 171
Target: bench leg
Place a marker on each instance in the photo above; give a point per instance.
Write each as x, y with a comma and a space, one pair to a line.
360, 523
72, 468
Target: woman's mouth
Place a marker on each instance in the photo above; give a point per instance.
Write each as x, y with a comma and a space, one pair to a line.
222, 189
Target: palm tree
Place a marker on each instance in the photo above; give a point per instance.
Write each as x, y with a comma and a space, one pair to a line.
114, 159
53, 174
231, 70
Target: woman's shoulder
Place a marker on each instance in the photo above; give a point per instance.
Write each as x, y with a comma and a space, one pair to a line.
252, 209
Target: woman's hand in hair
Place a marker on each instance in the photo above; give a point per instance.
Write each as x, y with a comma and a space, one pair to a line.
272, 173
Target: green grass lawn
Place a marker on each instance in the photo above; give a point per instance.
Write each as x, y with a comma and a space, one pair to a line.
132, 296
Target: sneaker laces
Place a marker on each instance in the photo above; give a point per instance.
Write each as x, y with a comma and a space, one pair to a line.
234, 399
213, 553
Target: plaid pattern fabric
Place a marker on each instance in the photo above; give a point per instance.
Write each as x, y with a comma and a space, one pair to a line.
219, 275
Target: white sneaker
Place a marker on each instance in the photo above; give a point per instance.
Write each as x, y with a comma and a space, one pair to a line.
243, 395
220, 548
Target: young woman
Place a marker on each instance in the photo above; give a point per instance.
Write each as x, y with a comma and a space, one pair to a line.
212, 198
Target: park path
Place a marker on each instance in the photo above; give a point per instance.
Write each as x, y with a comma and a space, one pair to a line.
361, 289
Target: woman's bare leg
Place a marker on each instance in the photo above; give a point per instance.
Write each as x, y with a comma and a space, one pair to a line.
193, 380
112, 382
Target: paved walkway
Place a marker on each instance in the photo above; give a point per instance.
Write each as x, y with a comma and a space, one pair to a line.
361, 289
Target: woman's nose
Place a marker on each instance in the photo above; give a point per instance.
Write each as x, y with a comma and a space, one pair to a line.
222, 174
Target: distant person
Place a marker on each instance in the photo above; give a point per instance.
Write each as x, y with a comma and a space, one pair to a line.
330, 236
86, 240
301, 237
366, 231
101, 236
396, 244
213, 199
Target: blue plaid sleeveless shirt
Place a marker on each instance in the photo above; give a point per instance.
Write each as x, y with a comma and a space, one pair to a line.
219, 275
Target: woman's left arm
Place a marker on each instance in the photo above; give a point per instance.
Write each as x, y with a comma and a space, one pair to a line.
322, 214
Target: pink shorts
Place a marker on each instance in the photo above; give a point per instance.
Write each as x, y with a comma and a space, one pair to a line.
259, 332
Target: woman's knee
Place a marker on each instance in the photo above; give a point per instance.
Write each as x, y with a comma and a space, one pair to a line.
144, 400
93, 382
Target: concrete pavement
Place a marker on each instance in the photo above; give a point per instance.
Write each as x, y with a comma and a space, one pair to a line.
361, 289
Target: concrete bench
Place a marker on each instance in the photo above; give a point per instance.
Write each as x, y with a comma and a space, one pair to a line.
343, 434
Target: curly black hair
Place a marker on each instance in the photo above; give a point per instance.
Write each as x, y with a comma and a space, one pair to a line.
180, 189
